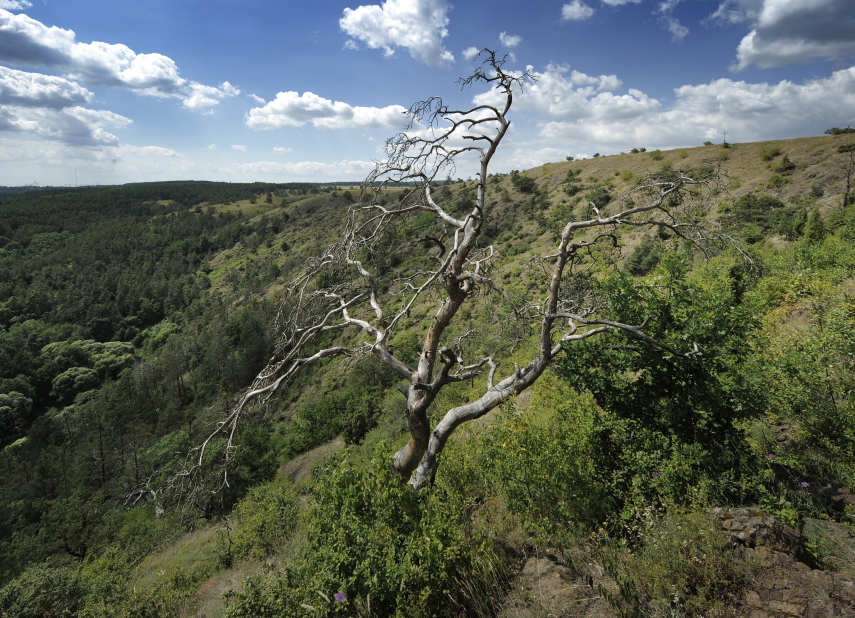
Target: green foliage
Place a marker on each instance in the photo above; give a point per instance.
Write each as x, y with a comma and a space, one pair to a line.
838, 131
371, 537
667, 436
599, 196
708, 143
644, 257
784, 167
523, 184
684, 561
768, 214
266, 517
657, 155
814, 228
43, 590
767, 153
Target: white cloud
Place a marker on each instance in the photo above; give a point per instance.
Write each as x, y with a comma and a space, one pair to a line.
620, 2
678, 31
315, 170
671, 24
15, 5
290, 109
576, 11
748, 111
510, 40
27, 42
281, 150
37, 90
564, 94
351, 44
257, 98
787, 32
53, 162
72, 125
470, 52
417, 25
239, 147
211, 147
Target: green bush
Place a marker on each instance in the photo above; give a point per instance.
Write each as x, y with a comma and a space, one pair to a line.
657, 155
767, 153
41, 590
644, 257
265, 519
372, 540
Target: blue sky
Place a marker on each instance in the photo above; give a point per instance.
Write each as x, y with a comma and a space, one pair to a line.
294, 91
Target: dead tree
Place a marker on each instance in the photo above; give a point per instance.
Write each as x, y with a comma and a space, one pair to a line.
345, 304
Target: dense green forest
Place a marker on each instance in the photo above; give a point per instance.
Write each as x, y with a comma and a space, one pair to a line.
131, 317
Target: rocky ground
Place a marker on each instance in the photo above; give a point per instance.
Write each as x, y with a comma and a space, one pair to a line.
784, 578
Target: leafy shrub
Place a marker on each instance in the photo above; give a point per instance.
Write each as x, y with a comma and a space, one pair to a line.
657, 155
685, 561
521, 183
817, 191
767, 153
838, 131
41, 590
784, 166
599, 196
266, 518
643, 258
371, 537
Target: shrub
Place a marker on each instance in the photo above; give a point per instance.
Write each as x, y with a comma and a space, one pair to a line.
815, 228
708, 143
371, 536
266, 518
643, 258
817, 191
41, 590
784, 166
657, 155
838, 131
767, 153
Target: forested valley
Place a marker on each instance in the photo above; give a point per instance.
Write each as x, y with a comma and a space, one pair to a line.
133, 317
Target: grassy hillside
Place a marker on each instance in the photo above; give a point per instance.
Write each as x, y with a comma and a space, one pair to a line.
131, 317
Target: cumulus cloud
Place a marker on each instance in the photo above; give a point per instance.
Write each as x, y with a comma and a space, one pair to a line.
282, 150
27, 42
351, 44
15, 5
417, 25
239, 147
510, 40
290, 109
204, 97
37, 90
211, 147
749, 111
564, 94
470, 52
576, 11
257, 98
72, 125
788, 32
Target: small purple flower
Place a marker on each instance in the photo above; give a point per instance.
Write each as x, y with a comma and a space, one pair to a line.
340, 598
643, 477
771, 456
805, 484
726, 435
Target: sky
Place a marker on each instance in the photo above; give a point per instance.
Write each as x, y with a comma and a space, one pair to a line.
106, 92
